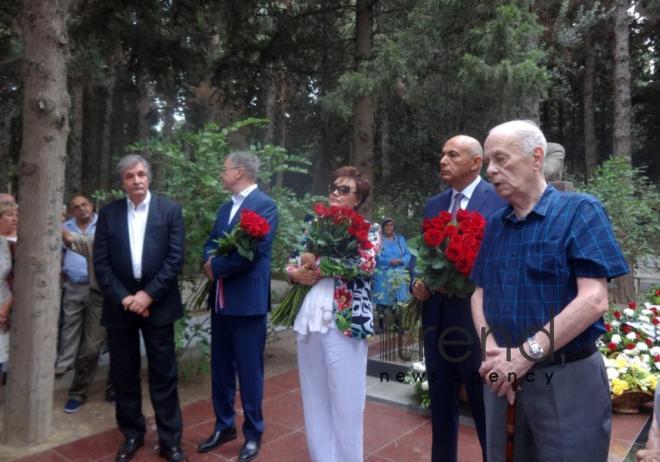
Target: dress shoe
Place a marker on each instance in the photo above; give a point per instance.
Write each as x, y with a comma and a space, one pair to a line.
216, 439
128, 449
172, 453
249, 451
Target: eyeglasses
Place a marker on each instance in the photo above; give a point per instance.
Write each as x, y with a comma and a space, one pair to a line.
343, 190
223, 170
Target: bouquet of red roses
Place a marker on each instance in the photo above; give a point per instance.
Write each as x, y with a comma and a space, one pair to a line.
445, 253
243, 238
338, 237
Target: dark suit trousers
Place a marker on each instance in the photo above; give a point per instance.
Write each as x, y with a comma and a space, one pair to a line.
447, 367
238, 347
124, 346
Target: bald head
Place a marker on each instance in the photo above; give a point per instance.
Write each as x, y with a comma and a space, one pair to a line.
469, 144
461, 161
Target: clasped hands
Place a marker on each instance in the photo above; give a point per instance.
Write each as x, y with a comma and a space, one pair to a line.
305, 274
502, 374
138, 303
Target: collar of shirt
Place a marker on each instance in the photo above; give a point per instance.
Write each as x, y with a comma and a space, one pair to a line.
142, 205
540, 208
71, 225
467, 191
240, 197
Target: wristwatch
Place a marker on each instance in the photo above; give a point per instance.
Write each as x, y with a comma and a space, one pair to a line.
535, 350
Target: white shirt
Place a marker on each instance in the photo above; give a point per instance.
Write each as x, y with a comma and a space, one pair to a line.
137, 226
238, 199
467, 194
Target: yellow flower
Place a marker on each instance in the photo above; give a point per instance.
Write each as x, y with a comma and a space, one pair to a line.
617, 389
620, 362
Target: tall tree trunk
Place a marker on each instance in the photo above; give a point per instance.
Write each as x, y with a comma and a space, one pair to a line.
106, 133
590, 141
144, 104
621, 136
5, 145
74, 156
362, 149
283, 91
29, 404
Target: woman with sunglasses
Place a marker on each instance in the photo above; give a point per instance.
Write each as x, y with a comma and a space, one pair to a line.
332, 364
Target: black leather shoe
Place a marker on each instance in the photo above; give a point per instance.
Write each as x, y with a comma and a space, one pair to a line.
128, 449
172, 454
216, 439
249, 451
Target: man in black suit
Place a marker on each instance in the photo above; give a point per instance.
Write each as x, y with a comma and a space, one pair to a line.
451, 346
138, 254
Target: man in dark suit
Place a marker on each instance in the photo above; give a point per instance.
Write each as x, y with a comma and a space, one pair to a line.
138, 254
239, 303
451, 345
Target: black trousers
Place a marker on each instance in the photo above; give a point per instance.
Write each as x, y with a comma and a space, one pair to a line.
124, 346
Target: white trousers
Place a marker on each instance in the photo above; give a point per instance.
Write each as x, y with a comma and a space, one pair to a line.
333, 371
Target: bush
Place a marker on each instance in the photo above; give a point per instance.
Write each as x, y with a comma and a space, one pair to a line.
632, 203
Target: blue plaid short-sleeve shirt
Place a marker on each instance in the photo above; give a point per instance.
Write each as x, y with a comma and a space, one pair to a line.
528, 268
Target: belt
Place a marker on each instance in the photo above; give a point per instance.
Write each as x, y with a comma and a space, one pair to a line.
558, 359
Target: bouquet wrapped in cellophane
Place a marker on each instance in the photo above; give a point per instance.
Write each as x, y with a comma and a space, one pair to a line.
336, 236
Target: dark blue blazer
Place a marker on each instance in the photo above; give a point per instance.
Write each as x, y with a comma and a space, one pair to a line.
485, 201
162, 261
246, 283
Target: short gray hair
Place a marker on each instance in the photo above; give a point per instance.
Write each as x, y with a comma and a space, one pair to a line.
528, 134
129, 161
247, 161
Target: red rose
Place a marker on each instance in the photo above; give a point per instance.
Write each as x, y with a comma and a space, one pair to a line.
626, 329
254, 224
656, 359
655, 321
451, 231
453, 253
433, 237
649, 342
611, 346
464, 266
657, 292
630, 346
617, 315
608, 327
320, 209
632, 305
444, 217
462, 215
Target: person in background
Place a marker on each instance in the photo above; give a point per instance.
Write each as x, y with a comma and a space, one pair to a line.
7, 228
391, 278
76, 300
93, 333
332, 364
651, 453
9, 218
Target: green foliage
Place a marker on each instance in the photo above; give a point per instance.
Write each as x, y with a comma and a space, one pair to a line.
632, 203
187, 166
185, 333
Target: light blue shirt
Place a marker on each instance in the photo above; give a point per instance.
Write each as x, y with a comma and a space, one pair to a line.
75, 265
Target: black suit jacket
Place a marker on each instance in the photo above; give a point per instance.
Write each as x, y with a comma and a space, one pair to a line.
162, 261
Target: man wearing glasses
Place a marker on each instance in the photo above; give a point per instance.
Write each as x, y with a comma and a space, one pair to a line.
239, 301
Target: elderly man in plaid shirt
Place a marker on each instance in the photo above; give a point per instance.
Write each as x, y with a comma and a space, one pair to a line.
541, 279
